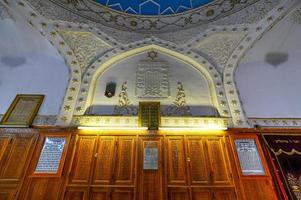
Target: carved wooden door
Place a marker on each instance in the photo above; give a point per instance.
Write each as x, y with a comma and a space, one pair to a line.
197, 168
104, 168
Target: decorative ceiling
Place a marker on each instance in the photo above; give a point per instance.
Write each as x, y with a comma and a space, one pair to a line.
142, 16
153, 7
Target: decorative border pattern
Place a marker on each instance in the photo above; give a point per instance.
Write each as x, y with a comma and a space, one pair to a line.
275, 122
129, 121
101, 14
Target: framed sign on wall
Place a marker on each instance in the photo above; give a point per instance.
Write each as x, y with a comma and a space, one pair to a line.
249, 157
52, 154
23, 110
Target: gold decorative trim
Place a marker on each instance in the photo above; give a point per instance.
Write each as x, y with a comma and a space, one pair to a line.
132, 121
292, 152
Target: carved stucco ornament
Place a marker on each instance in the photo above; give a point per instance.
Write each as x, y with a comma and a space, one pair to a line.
85, 45
219, 47
124, 107
4, 13
179, 107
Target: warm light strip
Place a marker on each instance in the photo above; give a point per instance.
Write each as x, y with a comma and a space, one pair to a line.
193, 128
111, 128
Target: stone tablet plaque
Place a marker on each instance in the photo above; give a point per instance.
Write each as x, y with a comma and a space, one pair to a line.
51, 155
150, 161
249, 158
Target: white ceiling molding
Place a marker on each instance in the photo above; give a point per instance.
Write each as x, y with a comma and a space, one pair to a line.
106, 60
275, 122
254, 34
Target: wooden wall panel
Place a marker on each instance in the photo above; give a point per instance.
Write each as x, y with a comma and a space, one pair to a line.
201, 194
13, 169
150, 182
46, 186
82, 163
218, 161
7, 194
178, 194
104, 162
264, 189
110, 167
125, 161
75, 195
198, 161
16, 150
99, 194
254, 186
176, 161
4, 141
122, 194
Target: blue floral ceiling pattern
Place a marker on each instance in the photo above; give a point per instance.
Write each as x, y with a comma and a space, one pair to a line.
153, 7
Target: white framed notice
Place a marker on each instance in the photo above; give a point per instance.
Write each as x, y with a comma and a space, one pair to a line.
51, 155
249, 157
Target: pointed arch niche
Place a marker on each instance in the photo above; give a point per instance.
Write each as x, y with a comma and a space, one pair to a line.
199, 83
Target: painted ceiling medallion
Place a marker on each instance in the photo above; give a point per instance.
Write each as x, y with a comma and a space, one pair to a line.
153, 7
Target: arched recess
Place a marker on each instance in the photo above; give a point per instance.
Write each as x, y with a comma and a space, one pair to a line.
25, 12
95, 70
255, 32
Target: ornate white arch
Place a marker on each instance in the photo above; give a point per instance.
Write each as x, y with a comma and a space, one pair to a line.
101, 64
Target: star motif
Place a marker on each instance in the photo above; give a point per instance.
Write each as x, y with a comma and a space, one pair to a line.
67, 107
152, 55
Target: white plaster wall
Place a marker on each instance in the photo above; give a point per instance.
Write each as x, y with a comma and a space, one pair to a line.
198, 95
29, 64
273, 91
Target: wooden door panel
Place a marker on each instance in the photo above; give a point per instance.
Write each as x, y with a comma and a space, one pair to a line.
178, 194
42, 188
13, 168
199, 173
218, 162
150, 184
201, 194
6, 194
83, 158
104, 161
176, 161
259, 189
98, 195
223, 194
125, 161
4, 141
75, 195
122, 194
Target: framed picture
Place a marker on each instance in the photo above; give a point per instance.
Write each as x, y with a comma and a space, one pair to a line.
23, 110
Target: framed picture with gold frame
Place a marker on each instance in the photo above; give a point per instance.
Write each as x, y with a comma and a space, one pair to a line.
23, 110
